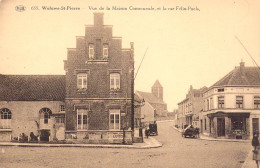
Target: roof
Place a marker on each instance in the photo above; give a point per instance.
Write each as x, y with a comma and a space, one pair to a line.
240, 76
149, 97
32, 87
157, 84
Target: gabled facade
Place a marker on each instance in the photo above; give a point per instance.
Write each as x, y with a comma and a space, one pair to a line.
232, 105
92, 103
99, 86
190, 107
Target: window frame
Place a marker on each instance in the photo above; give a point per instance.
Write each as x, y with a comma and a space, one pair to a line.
239, 102
62, 108
221, 103
105, 51
6, 114
114, 113
91, 51
81, 113
115, 78
81, 77
256, 102
46, 112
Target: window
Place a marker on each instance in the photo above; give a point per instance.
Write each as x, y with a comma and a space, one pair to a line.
239, 102
6, 113
256, 102
60, 120
207, 104
238, 123
82, 119
82, 81
221, 90
62, 107
105, 51
211, 103
221, 102
114, 81
46, 114
5, 120
91, 51
114, 119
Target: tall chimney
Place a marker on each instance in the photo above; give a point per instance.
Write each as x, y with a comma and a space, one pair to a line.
98, 19
242, 68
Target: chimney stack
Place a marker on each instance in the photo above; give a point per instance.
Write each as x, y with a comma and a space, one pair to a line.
242, 68
98, 19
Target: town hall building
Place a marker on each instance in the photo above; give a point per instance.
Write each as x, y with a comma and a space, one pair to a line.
92, 103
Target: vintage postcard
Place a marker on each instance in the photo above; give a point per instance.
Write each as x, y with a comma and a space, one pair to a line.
117, 83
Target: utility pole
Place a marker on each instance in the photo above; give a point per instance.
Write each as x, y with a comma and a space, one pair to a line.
132, 90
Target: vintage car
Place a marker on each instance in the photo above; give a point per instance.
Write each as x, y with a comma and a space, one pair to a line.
190, 131
152, 129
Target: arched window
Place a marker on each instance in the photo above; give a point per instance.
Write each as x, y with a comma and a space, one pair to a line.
46, 114
5, 113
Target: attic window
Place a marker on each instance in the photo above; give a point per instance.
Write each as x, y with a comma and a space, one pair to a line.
221, 90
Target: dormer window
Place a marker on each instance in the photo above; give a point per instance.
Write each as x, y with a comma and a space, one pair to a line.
91, 51
105, 51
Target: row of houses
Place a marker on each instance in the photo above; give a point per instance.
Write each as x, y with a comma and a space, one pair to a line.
230, 108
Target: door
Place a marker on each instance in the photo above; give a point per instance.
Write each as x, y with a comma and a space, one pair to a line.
255, 124
44, 135
221, 126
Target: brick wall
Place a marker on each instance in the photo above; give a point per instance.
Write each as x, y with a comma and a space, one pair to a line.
97, 99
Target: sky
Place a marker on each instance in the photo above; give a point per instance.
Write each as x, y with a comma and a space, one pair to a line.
184, 47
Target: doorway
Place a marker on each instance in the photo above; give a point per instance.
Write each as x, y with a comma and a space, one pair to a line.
255, 123
44, 135
221, 126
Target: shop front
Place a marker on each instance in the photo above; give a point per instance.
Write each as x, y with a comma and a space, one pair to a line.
229, 125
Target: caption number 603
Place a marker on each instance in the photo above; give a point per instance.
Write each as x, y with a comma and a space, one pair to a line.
34, 8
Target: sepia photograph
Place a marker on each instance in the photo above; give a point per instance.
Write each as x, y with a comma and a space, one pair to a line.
133, 84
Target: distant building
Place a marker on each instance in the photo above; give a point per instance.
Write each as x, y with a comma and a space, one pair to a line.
145, 113
155, 99
232, 105
190, 107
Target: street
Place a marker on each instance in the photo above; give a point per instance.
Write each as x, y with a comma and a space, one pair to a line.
177, 152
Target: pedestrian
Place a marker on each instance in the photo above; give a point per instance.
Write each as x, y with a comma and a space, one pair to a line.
146, 132
256, 151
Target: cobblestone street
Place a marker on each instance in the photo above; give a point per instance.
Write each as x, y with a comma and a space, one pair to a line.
177, 152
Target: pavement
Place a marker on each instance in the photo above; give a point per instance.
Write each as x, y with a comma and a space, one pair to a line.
249, 162
149, 142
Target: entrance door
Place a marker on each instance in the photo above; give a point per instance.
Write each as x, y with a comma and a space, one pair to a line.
221, 126
44, 135
255, 123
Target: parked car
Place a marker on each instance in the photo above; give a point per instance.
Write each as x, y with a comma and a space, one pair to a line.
152, 129
190, 131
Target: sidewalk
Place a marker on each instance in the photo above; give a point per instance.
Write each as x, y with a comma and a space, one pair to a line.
148, 143
203, 137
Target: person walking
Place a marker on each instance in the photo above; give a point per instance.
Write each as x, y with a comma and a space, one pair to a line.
256, 151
